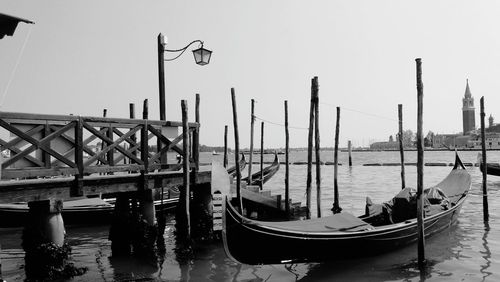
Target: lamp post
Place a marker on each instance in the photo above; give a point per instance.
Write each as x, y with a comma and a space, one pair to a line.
201, 57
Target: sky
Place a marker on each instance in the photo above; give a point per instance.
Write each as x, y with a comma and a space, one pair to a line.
81, 57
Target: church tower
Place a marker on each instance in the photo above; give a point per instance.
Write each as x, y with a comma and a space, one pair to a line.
468, 111
491, 121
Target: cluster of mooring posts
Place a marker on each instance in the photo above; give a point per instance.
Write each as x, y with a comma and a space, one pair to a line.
314, 133
57, 158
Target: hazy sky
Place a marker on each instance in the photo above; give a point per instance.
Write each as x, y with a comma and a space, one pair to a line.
83, 56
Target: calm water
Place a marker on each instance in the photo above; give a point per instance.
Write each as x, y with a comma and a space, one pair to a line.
469, 251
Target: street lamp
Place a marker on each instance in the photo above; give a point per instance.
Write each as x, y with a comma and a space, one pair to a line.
201, 57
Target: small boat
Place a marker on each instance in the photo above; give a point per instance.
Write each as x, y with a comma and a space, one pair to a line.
267, 173
81, 211
242, 163
342, 235
491, 168
215, 153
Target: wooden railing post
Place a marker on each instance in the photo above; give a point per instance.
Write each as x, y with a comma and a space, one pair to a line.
78, 187
133, 137
196, 139
144, 147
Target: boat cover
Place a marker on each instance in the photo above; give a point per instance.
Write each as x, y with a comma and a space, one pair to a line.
341, 222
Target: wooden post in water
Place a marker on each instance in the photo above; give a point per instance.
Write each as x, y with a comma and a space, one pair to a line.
401, 148
225, 146
420, 167
287, 166
317, 147
336, 206
261, 155
252, 120
185, 193
196, 140
485, 170
309, 151
237, 152
349, 147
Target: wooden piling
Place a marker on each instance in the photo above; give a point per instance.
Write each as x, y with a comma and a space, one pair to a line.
237, 152
317, 147
420, 167
336, 206
309, 151
225, 146
261, 155
184, 197
196, 140
252, 120
349, 149
483, 149
287, 166
401, 148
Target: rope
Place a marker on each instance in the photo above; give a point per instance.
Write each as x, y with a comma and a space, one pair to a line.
280, 124
15, 67
361, 112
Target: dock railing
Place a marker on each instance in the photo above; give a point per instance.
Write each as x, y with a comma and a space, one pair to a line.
42, 146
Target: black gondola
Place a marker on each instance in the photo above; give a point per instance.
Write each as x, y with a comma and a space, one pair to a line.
242, 163
339, 236
491, 168
267, 172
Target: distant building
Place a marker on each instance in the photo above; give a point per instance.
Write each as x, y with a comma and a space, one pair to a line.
492, 141
389, 145
468, 111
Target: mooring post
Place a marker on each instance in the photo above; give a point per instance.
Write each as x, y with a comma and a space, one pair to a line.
349, 149
46, 254
317, 146
252, 120
237, 152
420, 167
119, 232
287, 165
336, 206
261, 184
225, 146
485, 169
309, 151
184, 197
401, 148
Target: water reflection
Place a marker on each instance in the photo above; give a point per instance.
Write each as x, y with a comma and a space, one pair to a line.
486, 254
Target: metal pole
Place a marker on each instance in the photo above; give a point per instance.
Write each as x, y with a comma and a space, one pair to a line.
161, 75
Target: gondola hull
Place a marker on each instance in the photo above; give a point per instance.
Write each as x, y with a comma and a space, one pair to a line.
492, 169
15, 215
316, 240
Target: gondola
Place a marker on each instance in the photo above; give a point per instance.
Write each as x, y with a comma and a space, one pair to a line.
267, 173
339, 236
75, 212
491, 168
242, 163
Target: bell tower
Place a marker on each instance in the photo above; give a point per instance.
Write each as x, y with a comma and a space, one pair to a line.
468, 111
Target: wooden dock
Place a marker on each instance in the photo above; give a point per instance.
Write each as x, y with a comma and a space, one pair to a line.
56, 156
